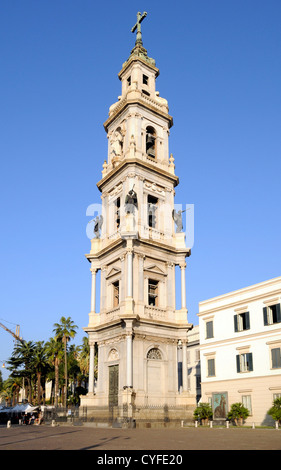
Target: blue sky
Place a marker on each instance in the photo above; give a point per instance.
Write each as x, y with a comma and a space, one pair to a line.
220, 70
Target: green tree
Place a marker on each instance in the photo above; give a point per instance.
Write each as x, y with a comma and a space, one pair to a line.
84, 356
54, 352
275, 410
75, 374
20, 363
203, 412
64, 331
7, 391
238, 412
39, 364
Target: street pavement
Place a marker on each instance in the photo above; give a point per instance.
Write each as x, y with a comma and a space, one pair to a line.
64, 437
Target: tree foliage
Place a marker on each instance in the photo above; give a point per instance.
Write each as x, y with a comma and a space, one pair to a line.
203, 411
33, 363
275, 410
238, 412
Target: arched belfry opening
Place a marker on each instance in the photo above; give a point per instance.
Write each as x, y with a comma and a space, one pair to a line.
150, 142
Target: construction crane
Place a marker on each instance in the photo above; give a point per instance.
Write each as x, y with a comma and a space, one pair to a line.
16, 335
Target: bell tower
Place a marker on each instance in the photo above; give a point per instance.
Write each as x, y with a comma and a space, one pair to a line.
139, 334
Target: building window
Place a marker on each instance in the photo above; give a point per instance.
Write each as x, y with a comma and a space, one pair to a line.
276, 358
242, 321
211, 367
244, 362
209, 329
117, 212
151, 211
153, 292
154, 353
247, 402
272, 314
115, 294
150, 142
145, 79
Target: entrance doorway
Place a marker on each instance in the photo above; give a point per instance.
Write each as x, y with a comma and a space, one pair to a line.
113, 385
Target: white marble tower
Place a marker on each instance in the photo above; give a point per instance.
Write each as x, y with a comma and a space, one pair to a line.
141, 336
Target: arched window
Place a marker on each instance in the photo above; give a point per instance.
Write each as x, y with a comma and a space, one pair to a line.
150, 142
154, 353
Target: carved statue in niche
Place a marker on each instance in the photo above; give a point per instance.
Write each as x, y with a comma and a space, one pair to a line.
116, 143
177, 216
98, 221
131, 202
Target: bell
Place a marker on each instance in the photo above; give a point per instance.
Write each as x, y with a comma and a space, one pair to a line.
150, 140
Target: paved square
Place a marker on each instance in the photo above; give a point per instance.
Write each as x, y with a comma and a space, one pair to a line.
102, 439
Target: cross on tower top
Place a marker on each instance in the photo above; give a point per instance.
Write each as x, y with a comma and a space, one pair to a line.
137, 26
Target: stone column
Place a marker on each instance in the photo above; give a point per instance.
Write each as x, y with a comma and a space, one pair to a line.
93, 292
91, 366
129, 353
103, 288
122, 292
130, 273
129, 302
141, 278
183, 297
129, 344
169, 284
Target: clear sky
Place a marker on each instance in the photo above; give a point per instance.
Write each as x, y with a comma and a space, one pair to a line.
220, 71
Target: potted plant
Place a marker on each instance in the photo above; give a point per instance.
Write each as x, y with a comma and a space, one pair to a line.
275, 410
238, 413
203, 413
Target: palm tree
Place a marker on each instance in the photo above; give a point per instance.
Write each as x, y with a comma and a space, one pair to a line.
55, 353
40, 365
7, 392
16, 386
64, 331
21, 363
84, 356
73, 366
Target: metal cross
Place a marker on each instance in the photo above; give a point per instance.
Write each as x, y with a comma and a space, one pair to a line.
140, 18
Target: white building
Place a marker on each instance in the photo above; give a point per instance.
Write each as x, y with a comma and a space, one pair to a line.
193, 363
240, 349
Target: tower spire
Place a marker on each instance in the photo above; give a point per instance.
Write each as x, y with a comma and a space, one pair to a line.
137, 26
139, 50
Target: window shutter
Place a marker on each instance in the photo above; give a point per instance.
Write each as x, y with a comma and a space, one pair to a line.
265, 316
209, 329
276, 358
235, 323
250, 361
238, 363
278, 313
211, 367
247, 320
